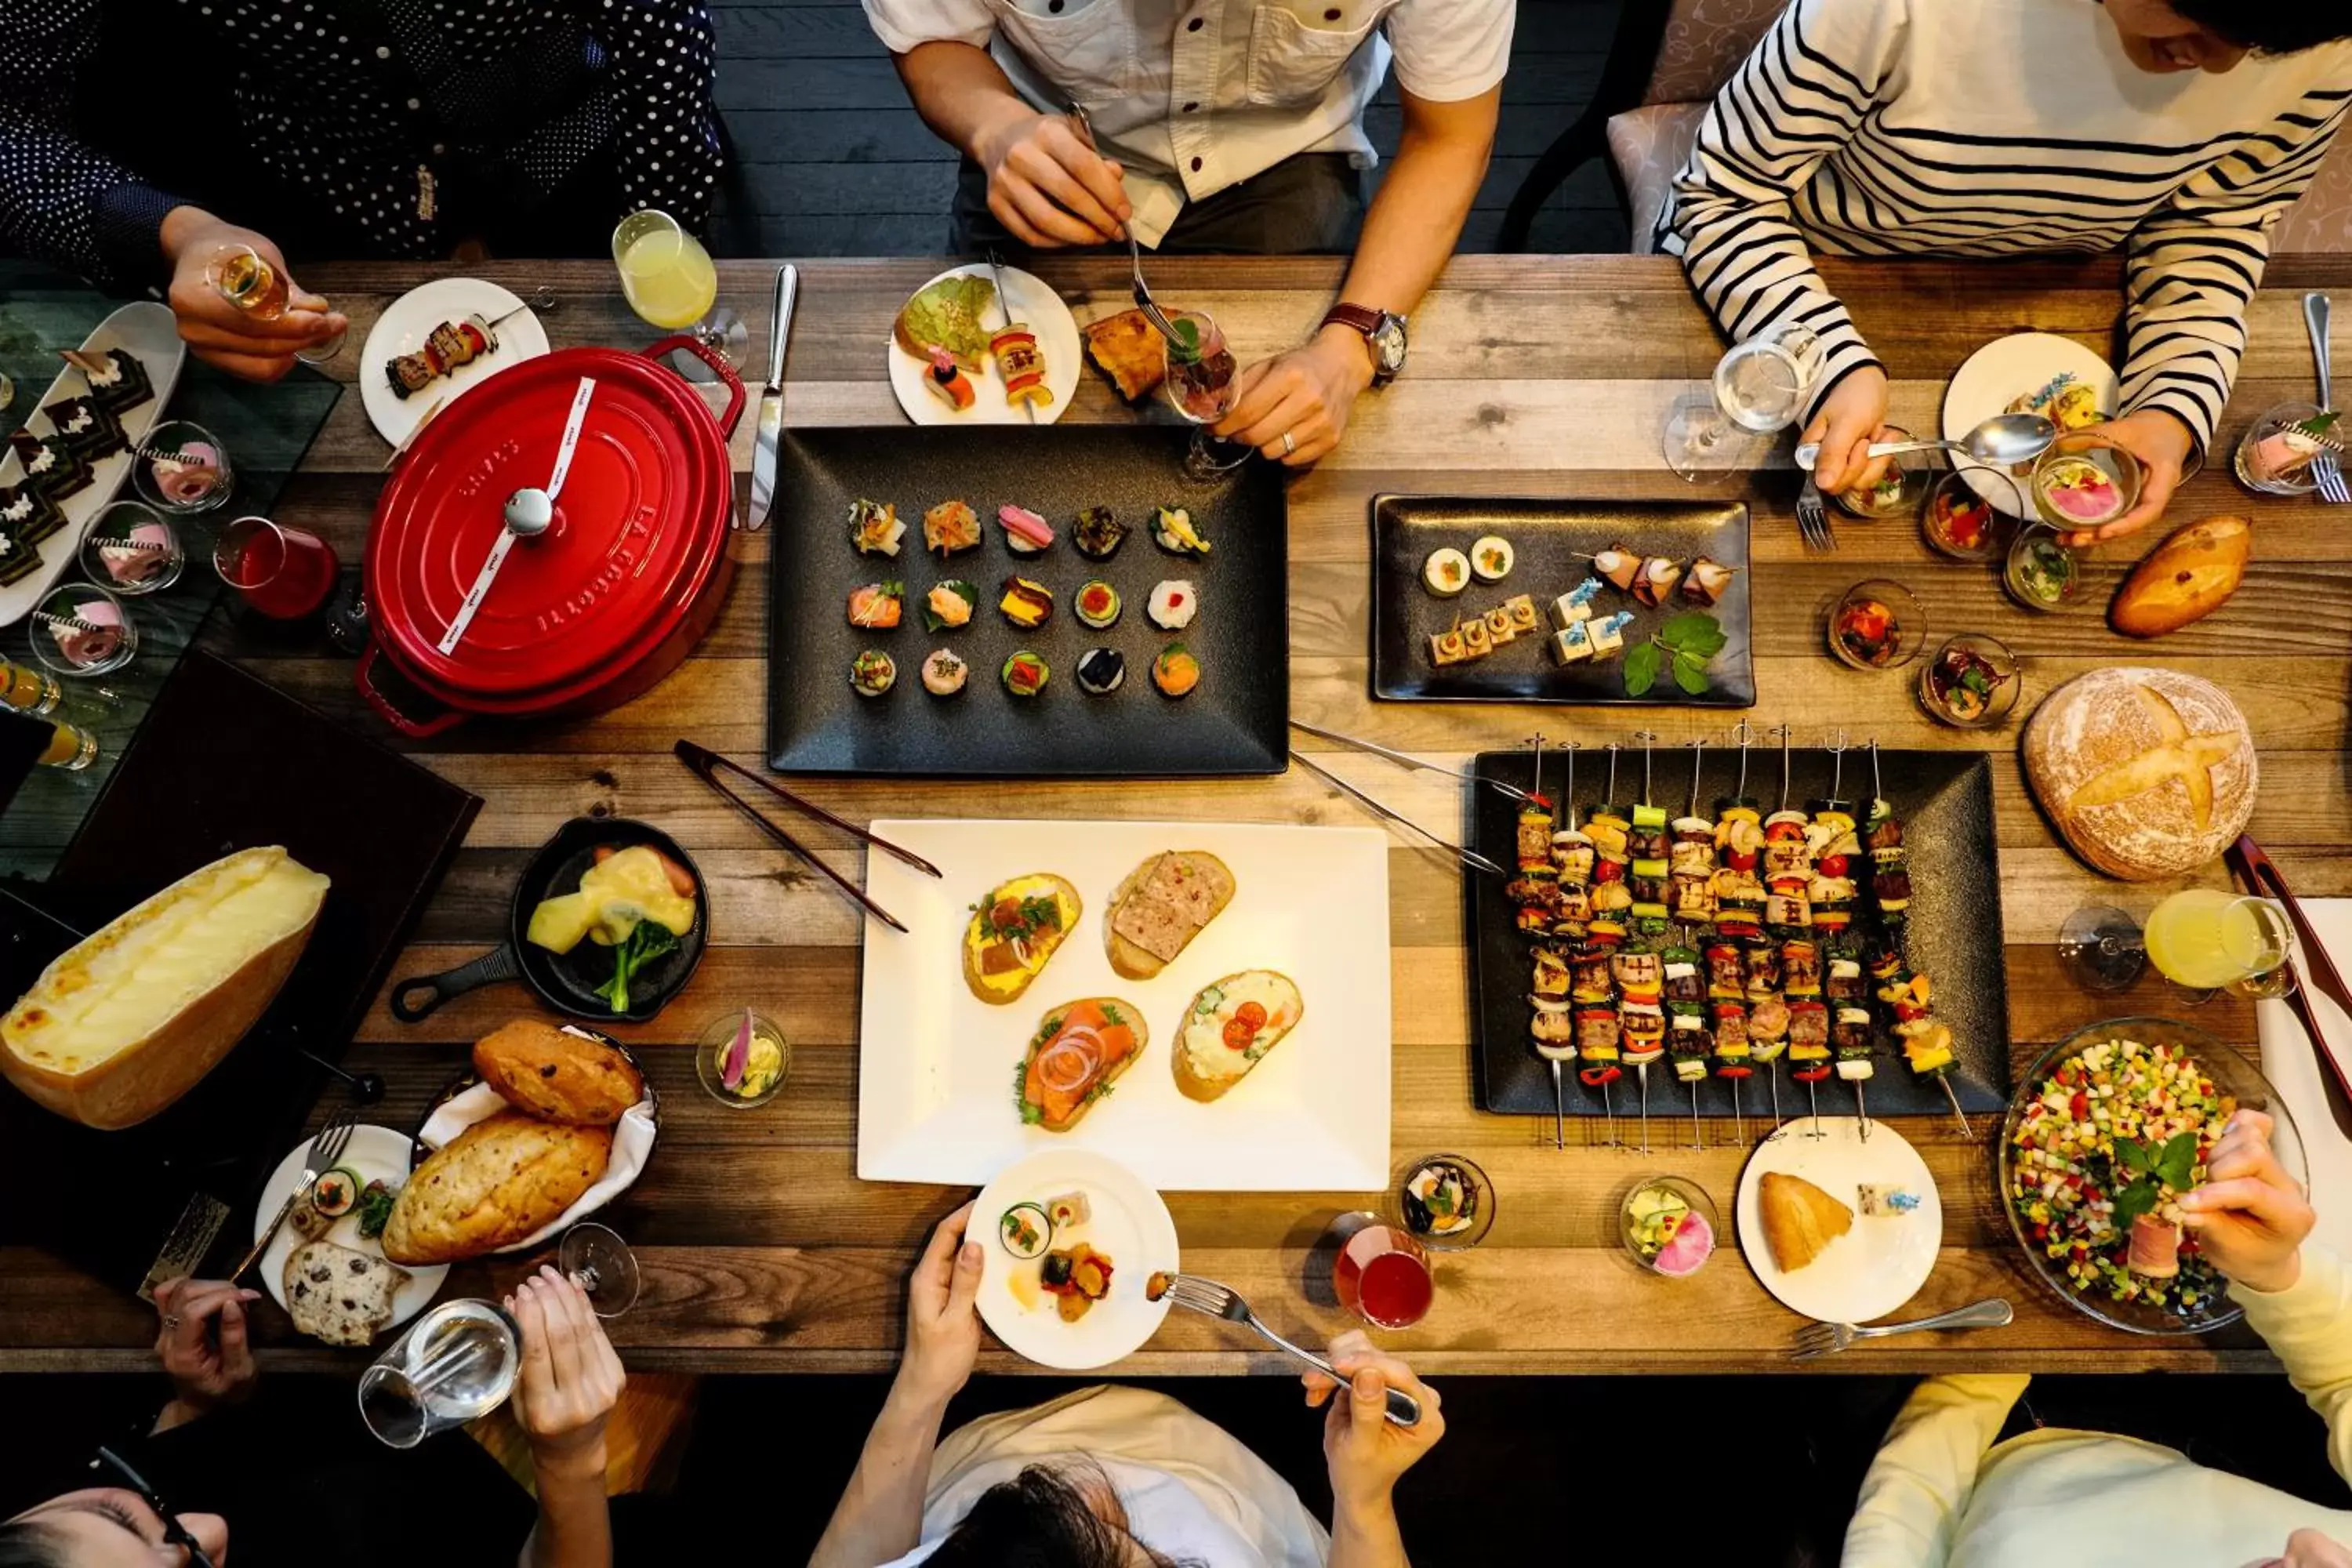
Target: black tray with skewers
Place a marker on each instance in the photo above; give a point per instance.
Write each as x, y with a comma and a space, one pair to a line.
1953, 933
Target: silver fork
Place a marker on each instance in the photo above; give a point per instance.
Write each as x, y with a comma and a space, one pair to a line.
1815, 1341
2327, 468
1134, 250
1814, 518
325, 1150
1211, 1299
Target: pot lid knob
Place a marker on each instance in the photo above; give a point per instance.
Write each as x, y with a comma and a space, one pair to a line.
528, 511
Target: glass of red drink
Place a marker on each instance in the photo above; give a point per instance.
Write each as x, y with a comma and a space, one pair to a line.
1381, 1275
283, 572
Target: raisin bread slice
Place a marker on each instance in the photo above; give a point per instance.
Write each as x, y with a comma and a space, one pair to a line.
340, 1296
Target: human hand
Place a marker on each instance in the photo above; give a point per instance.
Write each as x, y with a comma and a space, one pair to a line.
1850, 418
572, 1377
206, 1369
942, 1327
2309, 1548
1366, 1451
217, 331
1305, 394
1048, 186
2250, 1217
2162, 445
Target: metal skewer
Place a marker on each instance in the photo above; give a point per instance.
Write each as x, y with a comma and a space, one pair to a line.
1614, 747
1877, 793
1699, 763
1698, 1134
1835, 746
1743, 736
1558, 1086
1813, 1091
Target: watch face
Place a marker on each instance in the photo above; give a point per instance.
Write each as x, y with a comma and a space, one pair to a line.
1388, 344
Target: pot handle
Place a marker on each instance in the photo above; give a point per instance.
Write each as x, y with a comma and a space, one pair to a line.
707, 355
493, 966
381, 700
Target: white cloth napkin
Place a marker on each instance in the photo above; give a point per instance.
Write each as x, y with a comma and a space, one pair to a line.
2287, 1062
633, 1144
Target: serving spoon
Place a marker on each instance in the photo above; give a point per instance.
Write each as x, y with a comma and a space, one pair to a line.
2005, 438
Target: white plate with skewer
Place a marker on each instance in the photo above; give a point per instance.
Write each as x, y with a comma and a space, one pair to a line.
1882, 1260
408, 320
1030, 299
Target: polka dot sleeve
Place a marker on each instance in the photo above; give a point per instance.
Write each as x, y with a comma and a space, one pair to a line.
662, 65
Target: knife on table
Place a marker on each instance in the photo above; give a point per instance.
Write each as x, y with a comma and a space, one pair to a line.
2254, 868
771, 400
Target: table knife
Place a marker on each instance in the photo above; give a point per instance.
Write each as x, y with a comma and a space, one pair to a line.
771, 400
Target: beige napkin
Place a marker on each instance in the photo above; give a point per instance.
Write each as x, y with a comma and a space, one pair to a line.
2288, 1063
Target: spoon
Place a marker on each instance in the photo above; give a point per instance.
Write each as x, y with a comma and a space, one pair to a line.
2005, 438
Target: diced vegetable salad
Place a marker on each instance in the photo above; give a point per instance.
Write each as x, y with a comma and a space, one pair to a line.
2065, 1175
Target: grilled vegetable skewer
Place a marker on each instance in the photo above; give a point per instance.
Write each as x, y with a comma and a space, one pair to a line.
1906, 996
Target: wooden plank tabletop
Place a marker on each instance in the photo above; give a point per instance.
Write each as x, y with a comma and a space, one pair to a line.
1531, 374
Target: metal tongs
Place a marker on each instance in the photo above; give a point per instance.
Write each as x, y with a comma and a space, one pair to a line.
1469, 858
2254, 868
704, 763
1134, 251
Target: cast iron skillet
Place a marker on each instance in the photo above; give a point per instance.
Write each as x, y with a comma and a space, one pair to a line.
568, 982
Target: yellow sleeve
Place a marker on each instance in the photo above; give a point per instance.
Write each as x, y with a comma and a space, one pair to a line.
1918, 1486
2308, 1326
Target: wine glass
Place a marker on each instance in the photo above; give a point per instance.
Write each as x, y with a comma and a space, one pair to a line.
2205, 940
247, 280
2102, 947
1200, 386
594, 1257
1759, 387
670, 282
456, 1363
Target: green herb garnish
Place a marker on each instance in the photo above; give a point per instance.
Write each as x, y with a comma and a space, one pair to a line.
1691, 640
2173, 1165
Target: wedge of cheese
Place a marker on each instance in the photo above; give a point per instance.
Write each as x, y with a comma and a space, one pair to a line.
132, 1017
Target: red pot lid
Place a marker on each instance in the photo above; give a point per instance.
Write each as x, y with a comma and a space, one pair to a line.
640, 523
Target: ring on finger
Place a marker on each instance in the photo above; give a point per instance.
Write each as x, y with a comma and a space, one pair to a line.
171, 1320
1289, 444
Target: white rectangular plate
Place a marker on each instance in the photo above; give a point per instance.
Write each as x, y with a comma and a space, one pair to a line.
935, 1083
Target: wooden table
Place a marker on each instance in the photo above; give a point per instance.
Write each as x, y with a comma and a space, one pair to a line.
761, 1251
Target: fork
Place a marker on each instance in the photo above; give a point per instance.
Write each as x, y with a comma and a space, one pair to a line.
1211, 1299
1134, 251
325, 1150
1815, 1341
1814, 518
2327, 468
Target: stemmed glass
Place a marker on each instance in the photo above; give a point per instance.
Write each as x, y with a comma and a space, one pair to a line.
594, 1257
1759, 387
247, 280
2205, 940
1200, 386
2102, 947
670, 282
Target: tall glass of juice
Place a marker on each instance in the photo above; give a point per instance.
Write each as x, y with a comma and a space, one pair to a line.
670, 282
1381, 1275
2208, 938
282, 571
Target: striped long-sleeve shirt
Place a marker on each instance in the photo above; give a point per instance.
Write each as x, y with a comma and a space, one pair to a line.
1884, 127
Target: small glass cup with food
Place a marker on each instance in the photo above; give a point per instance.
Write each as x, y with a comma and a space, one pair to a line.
1898, 489
744, 1059
2084, 481
2044, 574
1669, 1225
2274, 457
1970, 683
1958, 522
1446, 1201
1877, 625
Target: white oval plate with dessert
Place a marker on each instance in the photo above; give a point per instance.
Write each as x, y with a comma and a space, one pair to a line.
1129, 1223
150, 333
1032, 300
1997, 375
408, 320
376, 1154
1882, 1260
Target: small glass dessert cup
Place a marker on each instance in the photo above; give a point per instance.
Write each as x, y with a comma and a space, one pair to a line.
2084, 482
1877, 625
1669, 1226
744, 1059
131, 549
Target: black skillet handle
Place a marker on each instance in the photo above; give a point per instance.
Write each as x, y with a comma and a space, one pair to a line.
493, 966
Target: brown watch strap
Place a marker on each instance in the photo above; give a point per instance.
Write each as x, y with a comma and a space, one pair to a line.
1356, 318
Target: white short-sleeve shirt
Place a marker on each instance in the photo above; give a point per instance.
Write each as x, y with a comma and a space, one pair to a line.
1192, 96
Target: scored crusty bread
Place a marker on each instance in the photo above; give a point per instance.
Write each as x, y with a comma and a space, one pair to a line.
1052, 943
492, 1185
2145, 772
1215, 884
132, 1017
1800, 1219
557, 1074
339, 1295
1204, 1088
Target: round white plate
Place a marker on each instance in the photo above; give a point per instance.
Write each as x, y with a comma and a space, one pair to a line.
1878, 1265
408, 320
1997, 375
377, 1153
1130, 1225
1058, 338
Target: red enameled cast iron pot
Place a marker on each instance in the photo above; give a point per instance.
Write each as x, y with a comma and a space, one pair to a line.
607, 601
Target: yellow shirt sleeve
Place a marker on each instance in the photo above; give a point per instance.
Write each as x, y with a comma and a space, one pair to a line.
2308, 1326
1919, 1483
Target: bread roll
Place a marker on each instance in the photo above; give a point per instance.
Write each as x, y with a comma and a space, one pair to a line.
133, 1016
557, 1074
492, 1185
2186, 578
1800, 1219
2145, 772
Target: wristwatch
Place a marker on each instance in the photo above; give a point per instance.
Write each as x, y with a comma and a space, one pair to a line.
1383, 329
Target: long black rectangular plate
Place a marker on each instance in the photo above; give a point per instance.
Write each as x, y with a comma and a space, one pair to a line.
1945, 800
1235, 722
1550, 540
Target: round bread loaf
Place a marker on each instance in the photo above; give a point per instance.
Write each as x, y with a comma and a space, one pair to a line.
2145, 772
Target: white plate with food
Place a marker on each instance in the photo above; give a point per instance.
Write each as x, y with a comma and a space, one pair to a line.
1207, 1001
962, 304
2038, 373
1072, 1240
373, 1154
406, 328
1851, 1227
147, 334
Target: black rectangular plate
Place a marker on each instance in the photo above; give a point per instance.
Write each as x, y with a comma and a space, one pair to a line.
1945, 799
1235, 722
1547, 537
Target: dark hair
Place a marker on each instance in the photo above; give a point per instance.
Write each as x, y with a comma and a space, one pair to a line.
29, 1544
2271, 27
1040, 1518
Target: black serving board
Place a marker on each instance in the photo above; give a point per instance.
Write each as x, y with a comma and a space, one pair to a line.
1945, 800
1235, 722
1548, 539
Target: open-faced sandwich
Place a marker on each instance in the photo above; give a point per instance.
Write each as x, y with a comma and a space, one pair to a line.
1163, 904
1078, 1051
1014, 931
1230, 1027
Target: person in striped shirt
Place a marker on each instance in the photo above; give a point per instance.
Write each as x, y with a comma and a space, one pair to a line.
2180, 130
